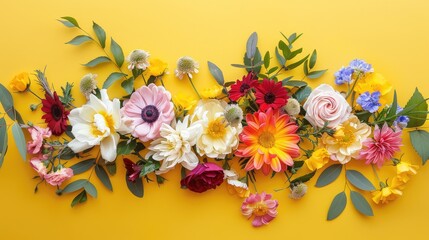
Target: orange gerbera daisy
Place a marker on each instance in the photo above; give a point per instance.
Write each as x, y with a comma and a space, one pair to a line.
270, 140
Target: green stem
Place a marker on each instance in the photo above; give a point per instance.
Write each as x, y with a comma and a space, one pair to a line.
193, 86
375, 172
34, 94
144, 79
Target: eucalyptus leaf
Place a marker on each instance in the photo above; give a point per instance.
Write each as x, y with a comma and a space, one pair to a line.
304, 178
149, 167
67, 23
128, 85
111, 168
329, 175
96, 61
296, 64
101, 34
90, 189
305, 66
72, 21
294, 53
360, 203
7, 103
3, 140
216, 72
313, 59
117, 52
74, 186
20, 142
295, 83
316, 74
125, 147
83, 166
267, 59
286, 80
416, 103
280, 58
359, 180
112, 78
80, 198
272, 70
79, 40
337, 206
394, 107
102, 175
302, 93
251, 45
420, 142
136, 187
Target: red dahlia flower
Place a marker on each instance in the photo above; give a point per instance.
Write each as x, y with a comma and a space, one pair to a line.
55, 114
241, 88
270, 94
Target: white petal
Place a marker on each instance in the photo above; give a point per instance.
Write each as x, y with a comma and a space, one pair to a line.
77, 146
108, 147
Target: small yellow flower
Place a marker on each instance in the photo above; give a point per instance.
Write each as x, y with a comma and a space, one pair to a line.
184, 102
388, 193
374, 82
318, 159
20, 82
212, 92
156, 68
404, 170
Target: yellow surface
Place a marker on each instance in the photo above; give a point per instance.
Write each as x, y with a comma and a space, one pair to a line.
392, 35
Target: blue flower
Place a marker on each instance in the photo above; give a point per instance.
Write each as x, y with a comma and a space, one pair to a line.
401, 121
343, 75
369, 102
360, 65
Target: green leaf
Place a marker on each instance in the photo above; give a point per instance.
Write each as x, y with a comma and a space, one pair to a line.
302, 93
80, 198
267, 59
251, 45
111, 168
136, 187
360, 203
117, 52
102, 175
337, 206
305, 66
149, 167
20, 142
126, 147
79, 40
101, 34
294, 53
394, 107
296, 64
3, 140
96, 61
420, 142
67, 23
313, 59
72, 22
128, 85
74, 186
67, 96
7, 102
67, 154
258, 60
416, 103
90, 189
316, 74
83, 166
286, 80
359, 180
329, 175
304, 178
112, 78
273, 69
280, 58
216, 72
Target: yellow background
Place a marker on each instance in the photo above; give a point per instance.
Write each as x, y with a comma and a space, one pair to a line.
392, 35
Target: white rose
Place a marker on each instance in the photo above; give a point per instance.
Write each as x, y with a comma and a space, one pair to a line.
326, 105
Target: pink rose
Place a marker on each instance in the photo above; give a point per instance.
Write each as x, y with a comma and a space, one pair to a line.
326, 105
203, 177
37, 135
39, 166
58, 177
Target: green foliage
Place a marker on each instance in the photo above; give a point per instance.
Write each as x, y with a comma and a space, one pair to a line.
111, 168
90, 189
67, 97
112, 78
74, 186
337, 206
420, 142
97, 61
83, 166
251, 45
7, 102
304, 178
102, 175
78, 40
360, 203
316, 74
216, 72
20, 142
117, 52
80, 198
359, 180
303, 93
136, 188
126, 147
3, 140
149, 167
416, 109
69, 22
101, 34
128, 85
329, 175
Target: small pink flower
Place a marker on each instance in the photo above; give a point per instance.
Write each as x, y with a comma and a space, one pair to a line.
147, 109
58, 177
37, 135
39, 166
261, 206
385, 143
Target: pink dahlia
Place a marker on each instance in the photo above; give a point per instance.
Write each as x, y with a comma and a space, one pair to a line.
382, 146
261, 206
147, 109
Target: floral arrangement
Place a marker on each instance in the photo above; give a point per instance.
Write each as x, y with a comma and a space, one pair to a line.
266, 121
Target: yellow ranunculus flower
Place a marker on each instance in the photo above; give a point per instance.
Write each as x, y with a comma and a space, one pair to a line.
156, 68
388, 193
212, 92
318, 159
404, 170
374, 82
20, 82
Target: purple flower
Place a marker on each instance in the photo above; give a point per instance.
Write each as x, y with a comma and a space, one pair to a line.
360, 65
401, 121
369, 102
343, 75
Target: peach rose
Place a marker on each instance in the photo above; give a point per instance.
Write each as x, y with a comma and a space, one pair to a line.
326, 105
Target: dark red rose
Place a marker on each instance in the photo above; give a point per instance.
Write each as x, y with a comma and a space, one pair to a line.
204, 177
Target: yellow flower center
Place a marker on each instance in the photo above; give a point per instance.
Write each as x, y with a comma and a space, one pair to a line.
103, 123
344, 136
260, 209
216, 128
267, 139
